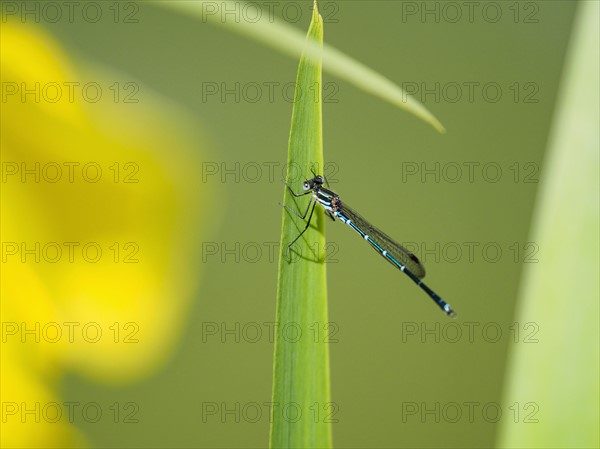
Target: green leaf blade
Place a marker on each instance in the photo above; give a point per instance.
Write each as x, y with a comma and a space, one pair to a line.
552, 390
288, 40
301, 393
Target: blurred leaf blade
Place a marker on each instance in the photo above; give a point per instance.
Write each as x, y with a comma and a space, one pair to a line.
289, 40
552, 381
301, 394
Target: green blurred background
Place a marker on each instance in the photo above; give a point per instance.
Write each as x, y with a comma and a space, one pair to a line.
377, 368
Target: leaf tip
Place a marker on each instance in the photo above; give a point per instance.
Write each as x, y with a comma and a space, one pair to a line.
433, 121
439, 127
316, 16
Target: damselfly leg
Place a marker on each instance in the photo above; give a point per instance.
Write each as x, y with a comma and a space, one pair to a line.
312, 203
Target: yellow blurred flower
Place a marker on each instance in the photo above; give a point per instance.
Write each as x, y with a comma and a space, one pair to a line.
100, 223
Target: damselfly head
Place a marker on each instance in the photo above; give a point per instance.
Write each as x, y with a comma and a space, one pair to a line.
311, 183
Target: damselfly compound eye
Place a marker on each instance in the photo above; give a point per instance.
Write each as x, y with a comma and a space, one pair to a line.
306, 185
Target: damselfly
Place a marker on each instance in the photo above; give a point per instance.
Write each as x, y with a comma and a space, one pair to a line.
393, 252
